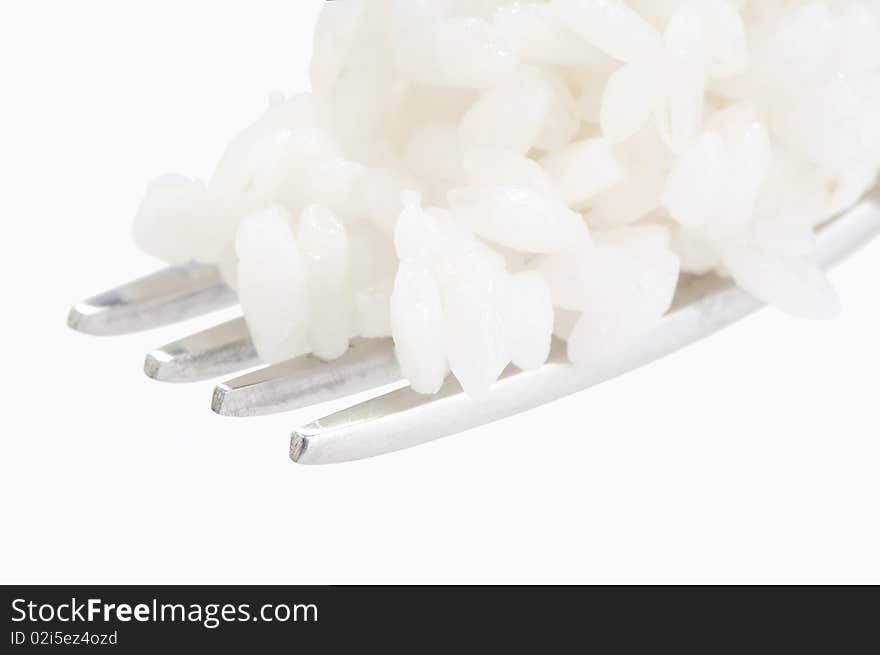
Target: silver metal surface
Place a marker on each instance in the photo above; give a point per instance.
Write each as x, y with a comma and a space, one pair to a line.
299, 383
166, 297
218, 351
403, 419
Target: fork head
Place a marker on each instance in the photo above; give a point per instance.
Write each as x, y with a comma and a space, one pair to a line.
400, 418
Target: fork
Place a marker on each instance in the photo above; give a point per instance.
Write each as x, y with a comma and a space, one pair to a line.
399, 418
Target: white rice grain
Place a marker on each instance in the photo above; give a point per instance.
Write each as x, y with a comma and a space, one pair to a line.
471, 177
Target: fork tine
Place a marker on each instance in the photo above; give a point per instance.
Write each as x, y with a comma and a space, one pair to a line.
217, 351
307, 381
167, 296
403, 419
850, 232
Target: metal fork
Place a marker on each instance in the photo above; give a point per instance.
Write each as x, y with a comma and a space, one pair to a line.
400, 418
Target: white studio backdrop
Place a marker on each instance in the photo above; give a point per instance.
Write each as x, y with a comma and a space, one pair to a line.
750, 457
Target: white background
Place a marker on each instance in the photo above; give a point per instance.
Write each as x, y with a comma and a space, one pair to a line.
753, 456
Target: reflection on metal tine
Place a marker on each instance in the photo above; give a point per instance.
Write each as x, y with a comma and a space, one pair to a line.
403, 419
309, 381
218, 351
163, 298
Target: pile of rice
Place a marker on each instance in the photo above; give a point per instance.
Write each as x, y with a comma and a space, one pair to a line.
473, 176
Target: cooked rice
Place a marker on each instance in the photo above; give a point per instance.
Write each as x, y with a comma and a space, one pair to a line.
470, 177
